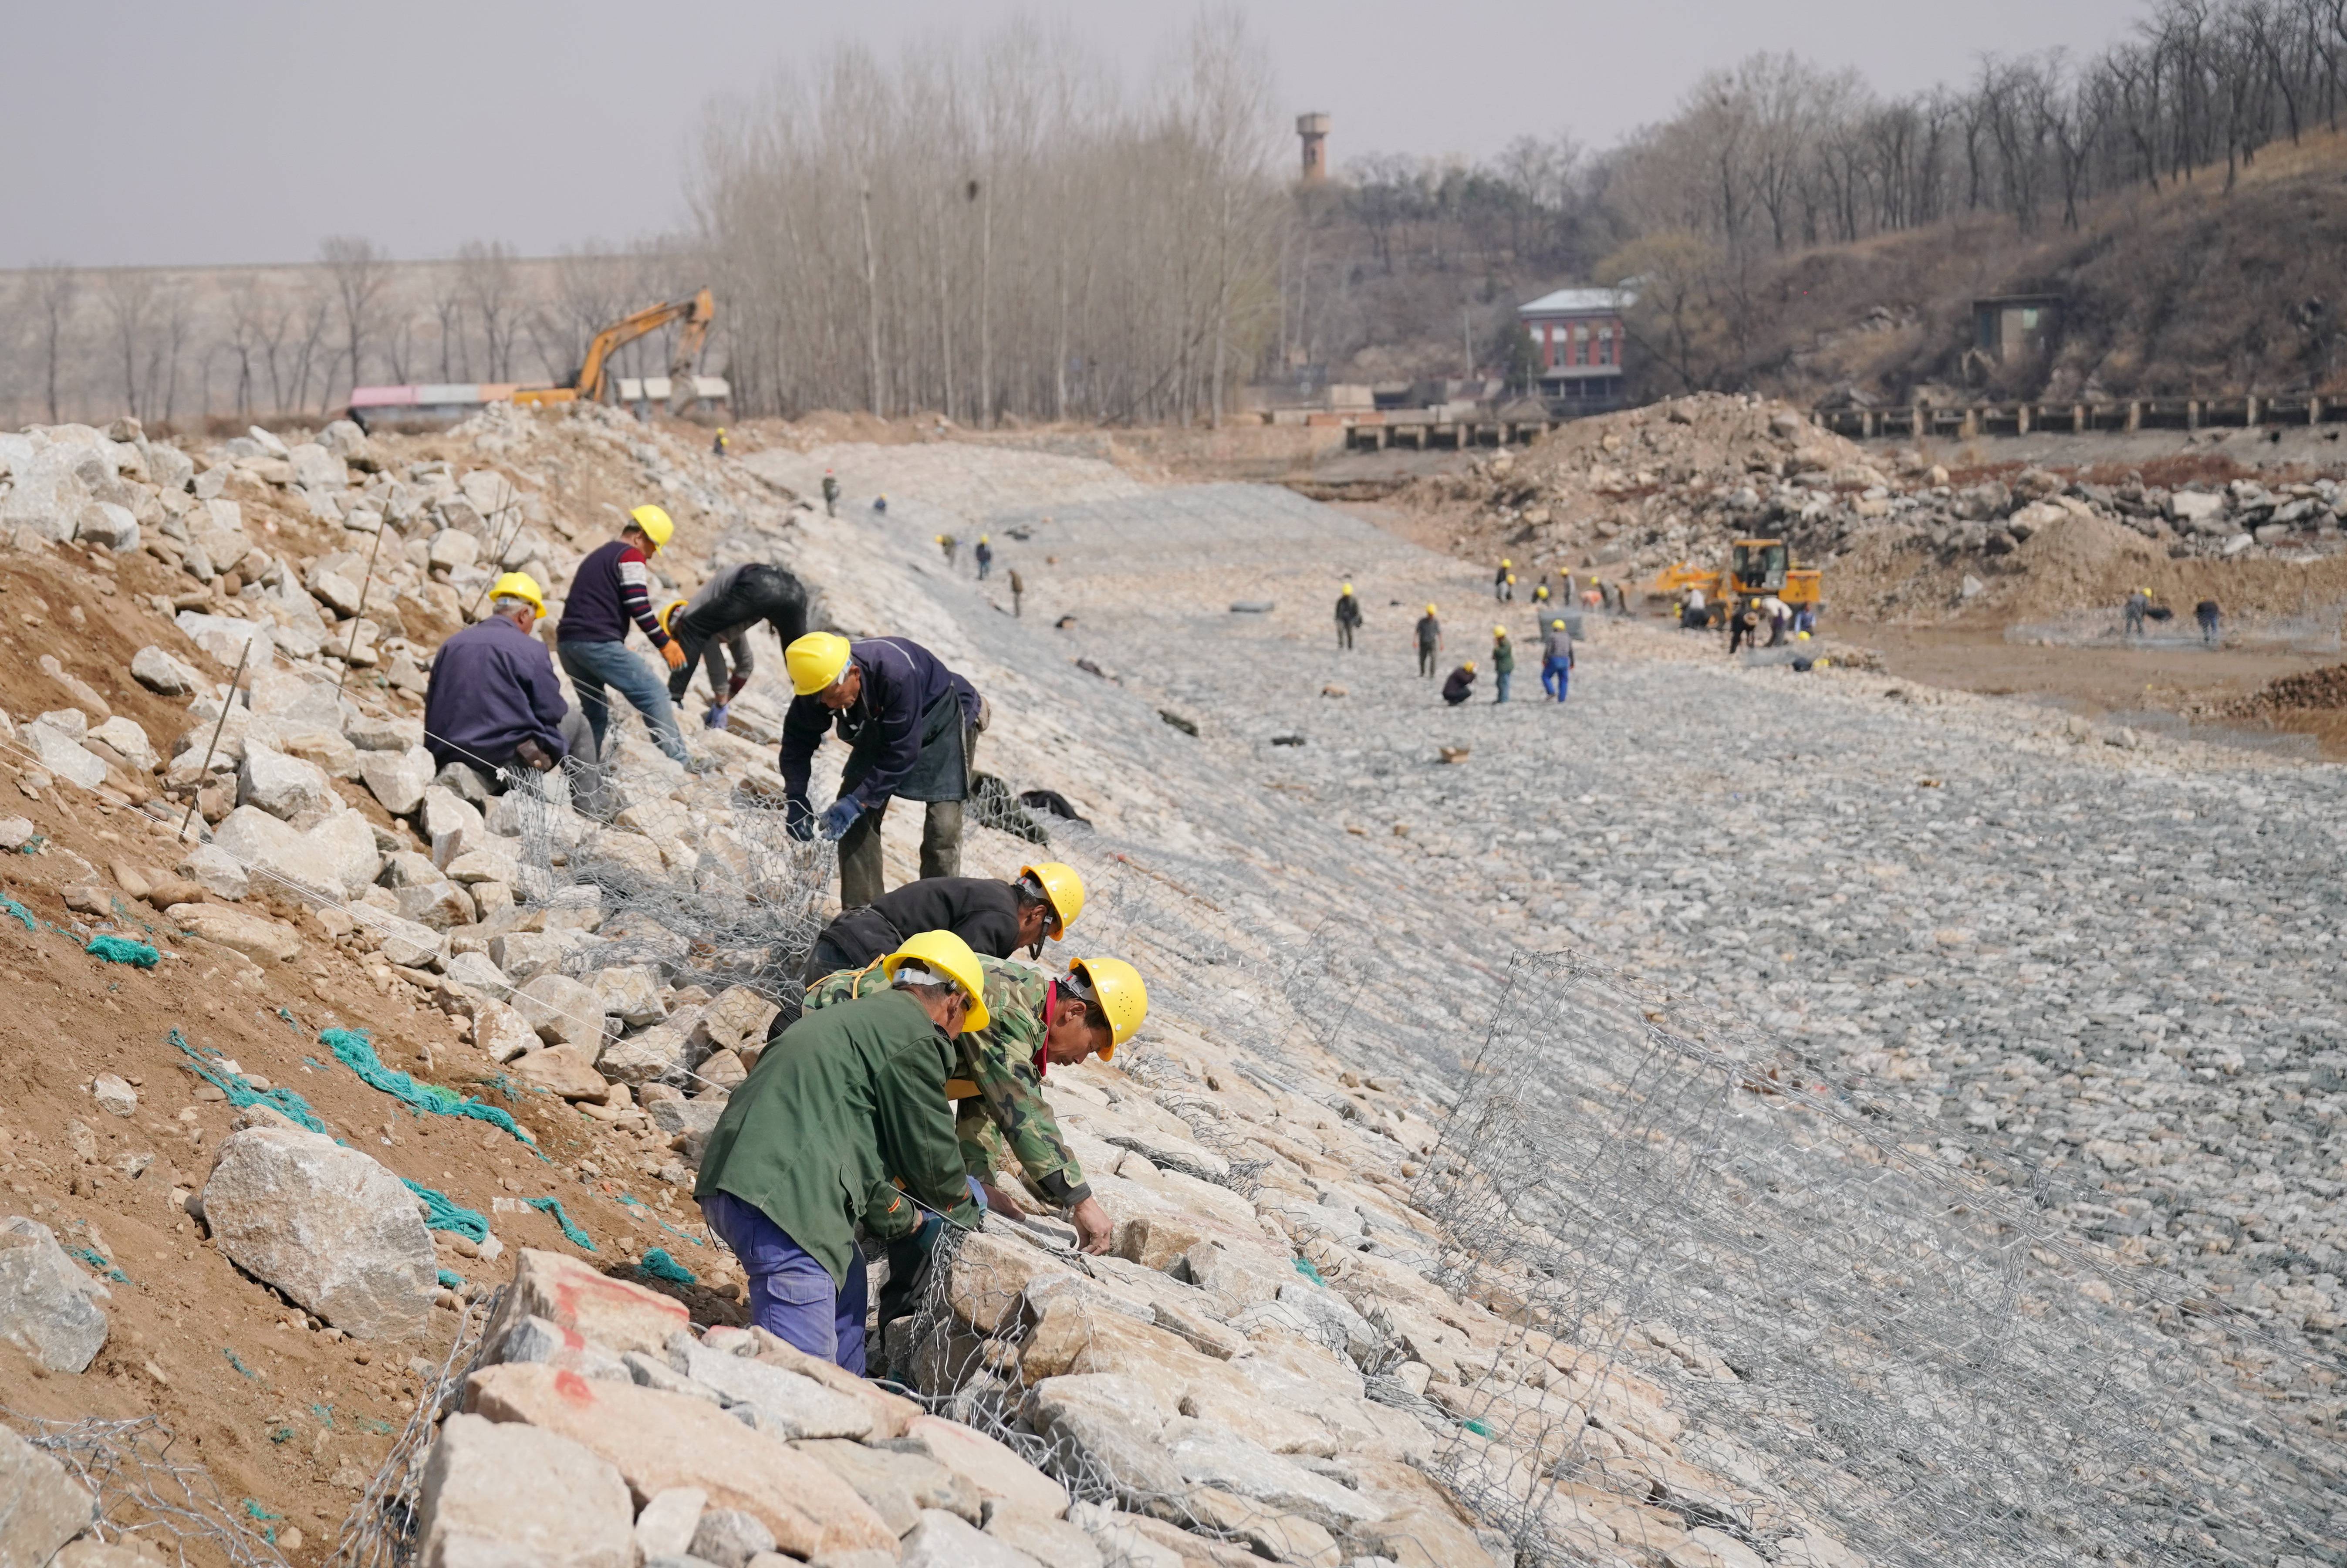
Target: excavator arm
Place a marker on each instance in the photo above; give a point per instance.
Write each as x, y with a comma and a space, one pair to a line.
594, 375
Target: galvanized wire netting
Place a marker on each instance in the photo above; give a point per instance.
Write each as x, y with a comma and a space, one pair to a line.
1854, 1329
145, 1495
380, 1530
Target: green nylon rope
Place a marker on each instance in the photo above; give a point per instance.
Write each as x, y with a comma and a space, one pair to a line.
658, 1265
550, 1206
354, 1050
123, 950
241, 1094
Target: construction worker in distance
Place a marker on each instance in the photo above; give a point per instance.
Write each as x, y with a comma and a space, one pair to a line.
717, 447
1499, 578
1349, 617
984, 556
911, 726
2137, 604
1540, 597
996, 919
880, 503
1430, 640
830, 493
715, 624
950, 545
1018, 593
1556, 659
847, 1107
1460, 684
494, 705
1509, 592
1503, 662
612, 588
1035, 1023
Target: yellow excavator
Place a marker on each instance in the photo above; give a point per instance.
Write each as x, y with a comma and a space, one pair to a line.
1756, 570
593, 382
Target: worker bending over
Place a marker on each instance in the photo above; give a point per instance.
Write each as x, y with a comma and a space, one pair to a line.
845, 1109
494, 705
1348, 616
613, 587
996, 919
716, 624
1034, 1023
910, 726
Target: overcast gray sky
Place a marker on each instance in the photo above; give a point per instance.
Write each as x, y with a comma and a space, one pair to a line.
244, 131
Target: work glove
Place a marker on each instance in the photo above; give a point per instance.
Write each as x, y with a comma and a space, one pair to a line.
673, 651
839, 817
798, 818
715, 719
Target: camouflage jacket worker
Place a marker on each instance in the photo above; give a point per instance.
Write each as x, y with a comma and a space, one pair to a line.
999, 1086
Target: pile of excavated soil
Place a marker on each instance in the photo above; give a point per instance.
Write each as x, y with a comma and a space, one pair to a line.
2313, 690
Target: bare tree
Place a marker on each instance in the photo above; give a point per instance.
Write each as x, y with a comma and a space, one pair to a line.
360, 269
127, 295
486, 269
52, 288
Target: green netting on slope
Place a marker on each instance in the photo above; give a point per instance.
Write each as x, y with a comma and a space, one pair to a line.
240, 1093
10, 906
451, 1280
354, 1050
554, 1206
123, 950
658, 1265
441, 1212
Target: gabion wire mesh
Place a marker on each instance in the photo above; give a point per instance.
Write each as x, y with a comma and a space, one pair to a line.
1856, 1330
380, 1530
145, 1495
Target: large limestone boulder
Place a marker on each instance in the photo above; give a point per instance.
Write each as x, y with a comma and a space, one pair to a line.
284, 787
336, 857
160, 672
48, 1306
254, 936
791, 1406
666, 1050
41, 1507
397, 779
564, 1011
614, 1313
505, 1493
660, 1440
326, 1225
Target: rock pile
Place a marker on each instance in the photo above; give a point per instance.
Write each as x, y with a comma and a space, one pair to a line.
1640, 490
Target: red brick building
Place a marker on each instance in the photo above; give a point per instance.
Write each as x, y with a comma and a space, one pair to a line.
1578, 334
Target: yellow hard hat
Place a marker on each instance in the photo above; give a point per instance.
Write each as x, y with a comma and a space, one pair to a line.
1469, 667
815, 661
1504, 561
1429, 610
1348, 587
1800, 637
1512, 577
1556, 626
937, 538
1062, 886
670, 608
656, 525
1116, 986
943, 953
518, 585
983, 537
1541, 592
1498, 632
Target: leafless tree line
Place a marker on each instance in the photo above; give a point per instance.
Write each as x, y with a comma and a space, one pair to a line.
179, 346
994, 230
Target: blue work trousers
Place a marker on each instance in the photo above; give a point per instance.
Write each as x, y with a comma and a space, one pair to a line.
1502, 678
1554, 673
592, 666
792, 1296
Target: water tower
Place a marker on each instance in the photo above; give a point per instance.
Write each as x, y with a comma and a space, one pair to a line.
1314, 129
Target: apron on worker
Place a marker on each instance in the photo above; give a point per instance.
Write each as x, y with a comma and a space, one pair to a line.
942, 770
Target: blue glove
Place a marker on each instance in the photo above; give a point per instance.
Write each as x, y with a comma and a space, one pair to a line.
799, 818
840, 817
715, 719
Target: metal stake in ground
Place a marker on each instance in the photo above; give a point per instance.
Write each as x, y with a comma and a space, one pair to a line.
228, 701
503, 545
365, 583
